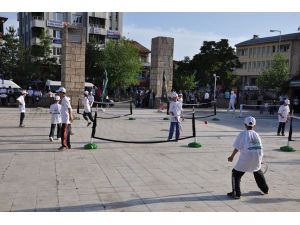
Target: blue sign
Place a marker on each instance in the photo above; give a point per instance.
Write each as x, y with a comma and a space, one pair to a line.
56, 41
113, 34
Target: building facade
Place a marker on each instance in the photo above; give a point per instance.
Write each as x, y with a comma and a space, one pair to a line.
257, 54
2, 21
99, 26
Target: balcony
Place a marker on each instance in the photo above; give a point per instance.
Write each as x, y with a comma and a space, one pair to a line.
98, 14
97, 29
37, 21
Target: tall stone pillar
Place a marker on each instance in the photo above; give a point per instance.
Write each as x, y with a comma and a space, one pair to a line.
73, 62
161, 62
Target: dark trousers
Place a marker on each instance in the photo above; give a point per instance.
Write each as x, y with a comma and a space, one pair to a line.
22, 116
259, 178
65, 135
171, 131
58, 135
281, 128
88, 115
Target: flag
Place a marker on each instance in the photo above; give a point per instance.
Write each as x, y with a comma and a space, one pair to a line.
104, 85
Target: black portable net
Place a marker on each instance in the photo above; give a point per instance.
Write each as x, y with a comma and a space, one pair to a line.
294, 130
259, 111
153, 130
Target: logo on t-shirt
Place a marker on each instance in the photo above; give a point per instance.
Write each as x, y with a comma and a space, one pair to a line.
254, 145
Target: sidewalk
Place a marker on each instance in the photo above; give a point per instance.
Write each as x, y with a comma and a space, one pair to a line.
34, 176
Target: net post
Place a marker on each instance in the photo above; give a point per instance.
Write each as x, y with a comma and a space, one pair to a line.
168, 106
215, 107
291, 127
241, 110
94, 125
193, 124
78, 107
131, 107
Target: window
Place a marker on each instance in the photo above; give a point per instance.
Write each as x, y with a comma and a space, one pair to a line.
258, 52
57, 34
249, 66
250, 52
263, 65
58, 16
284, 48
252, 81
56, 51
254, 52
263, 50
76, 19
273, 48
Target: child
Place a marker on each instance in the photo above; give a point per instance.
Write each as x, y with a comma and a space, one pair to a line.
87, 108
55, 110
249, 144
21, 101
283, 113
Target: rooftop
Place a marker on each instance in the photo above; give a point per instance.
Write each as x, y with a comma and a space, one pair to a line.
256, 41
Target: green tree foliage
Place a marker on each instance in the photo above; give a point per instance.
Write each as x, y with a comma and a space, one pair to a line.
184, 78
122, 63
274, 77
93, 58
9, 54
216, 58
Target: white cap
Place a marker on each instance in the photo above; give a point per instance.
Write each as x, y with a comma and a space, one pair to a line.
86, 92
250, 121
24, 92
174, 95
180, 94
287, 101
62, 89
57, 98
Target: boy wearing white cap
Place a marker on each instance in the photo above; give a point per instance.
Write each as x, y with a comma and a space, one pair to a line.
232, 101
249, 144
283, 113
21, 101
55, 110
66, 120
87, 113
175, 111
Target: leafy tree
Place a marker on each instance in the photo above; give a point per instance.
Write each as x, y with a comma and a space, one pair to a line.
122, 63
216, 58
274, 77
9, 54
184, 77
93, 58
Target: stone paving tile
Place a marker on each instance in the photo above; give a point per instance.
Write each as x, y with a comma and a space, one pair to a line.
34, 176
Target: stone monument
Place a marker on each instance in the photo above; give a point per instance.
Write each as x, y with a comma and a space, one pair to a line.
161, 66
73, 62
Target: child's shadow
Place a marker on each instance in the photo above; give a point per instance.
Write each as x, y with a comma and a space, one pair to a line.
252, 193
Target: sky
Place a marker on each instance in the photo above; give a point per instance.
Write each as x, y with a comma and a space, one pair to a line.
189, 30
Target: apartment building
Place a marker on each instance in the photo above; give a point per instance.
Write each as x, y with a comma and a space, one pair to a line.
100, 26
257, 54
2, 21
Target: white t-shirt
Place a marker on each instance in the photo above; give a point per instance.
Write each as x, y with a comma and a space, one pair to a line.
21, 101
232, 98
65, 105
55, 110
86, 105
284, 110
250, 147
176, 109
91, 99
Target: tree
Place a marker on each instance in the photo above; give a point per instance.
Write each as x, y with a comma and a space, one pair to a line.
184, 77
216, 58
9, 54
275, 76
122, 63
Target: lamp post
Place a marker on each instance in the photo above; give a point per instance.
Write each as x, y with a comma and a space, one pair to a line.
278, 50
216, 77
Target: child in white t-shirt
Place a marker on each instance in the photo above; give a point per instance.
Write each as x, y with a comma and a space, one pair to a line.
283, 113
249, 144
55, 110
21, 101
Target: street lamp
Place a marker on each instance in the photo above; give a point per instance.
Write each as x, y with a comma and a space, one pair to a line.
278, 50
216, 77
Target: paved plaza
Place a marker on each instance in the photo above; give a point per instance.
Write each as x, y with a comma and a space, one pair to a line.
163, 177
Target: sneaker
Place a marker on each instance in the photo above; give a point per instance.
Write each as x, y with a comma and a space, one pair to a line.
282, 134
21, 125
59, 139
51, 139
89, 123
71, 133
234, 196
278, 134
62, 148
